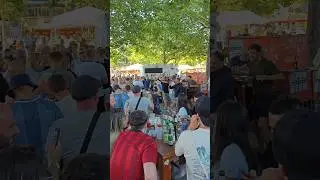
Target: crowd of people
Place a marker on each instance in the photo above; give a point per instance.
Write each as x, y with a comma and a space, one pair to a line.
54, 118
266, 136
133, 101
59, 110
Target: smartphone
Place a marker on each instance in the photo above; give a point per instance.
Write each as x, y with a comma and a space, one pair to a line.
57, 136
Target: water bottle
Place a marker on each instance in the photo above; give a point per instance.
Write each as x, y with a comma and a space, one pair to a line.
159, 129
171, 136
165, 131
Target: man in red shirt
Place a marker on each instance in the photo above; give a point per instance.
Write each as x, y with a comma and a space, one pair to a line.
134, 155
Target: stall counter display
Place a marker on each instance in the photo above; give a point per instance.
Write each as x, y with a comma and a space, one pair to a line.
164, 128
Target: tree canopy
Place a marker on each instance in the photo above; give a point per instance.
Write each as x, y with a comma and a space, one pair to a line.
159, 31
12, 10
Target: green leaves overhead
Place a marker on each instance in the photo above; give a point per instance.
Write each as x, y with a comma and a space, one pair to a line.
159, 31
12, 10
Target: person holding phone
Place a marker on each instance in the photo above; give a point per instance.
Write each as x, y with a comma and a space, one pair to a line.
194, 143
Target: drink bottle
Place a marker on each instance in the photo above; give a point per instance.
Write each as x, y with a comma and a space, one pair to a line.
165, 132
159, 129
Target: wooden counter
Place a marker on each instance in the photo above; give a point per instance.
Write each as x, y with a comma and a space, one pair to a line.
166, 155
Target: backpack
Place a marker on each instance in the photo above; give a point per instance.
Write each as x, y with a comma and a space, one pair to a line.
120, 100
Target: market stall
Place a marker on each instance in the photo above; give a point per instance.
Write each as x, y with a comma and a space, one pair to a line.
89, 23
134, 69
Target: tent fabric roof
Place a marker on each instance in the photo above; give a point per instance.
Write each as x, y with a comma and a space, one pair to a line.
134, 67
236, 18
85, 16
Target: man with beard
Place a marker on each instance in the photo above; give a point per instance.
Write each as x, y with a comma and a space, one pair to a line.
264, 73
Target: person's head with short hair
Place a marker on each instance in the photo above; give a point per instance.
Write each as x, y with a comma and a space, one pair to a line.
255, 52
57, 59
85, 91
138, 120
21, 87
116, 87
279, 107
295, 144
177, 80
136, 90
202, 108
183, 102
16, 61
87, 167
58, 86
91, 53
8, 127
127, 88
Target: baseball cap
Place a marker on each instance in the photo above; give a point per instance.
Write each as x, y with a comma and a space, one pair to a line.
138, 118
136, 89
85, 87
20, 80
202, 108
294, 143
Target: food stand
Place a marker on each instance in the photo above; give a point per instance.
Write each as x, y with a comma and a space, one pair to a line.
165, 129
289, 53
86, 23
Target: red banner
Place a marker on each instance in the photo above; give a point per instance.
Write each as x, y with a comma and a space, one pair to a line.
284, 51
199, 77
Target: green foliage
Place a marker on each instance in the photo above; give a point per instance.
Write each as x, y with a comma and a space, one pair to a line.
13, 10
159, 31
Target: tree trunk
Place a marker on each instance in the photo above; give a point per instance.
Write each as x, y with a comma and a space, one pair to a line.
313, 30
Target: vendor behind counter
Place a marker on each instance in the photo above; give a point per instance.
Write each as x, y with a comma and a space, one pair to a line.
263, 93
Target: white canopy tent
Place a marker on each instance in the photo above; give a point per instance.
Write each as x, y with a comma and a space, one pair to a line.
134, 67
86, 16
184, 67
237, 18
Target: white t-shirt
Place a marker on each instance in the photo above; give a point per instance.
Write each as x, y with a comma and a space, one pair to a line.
67, 105
195, 146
